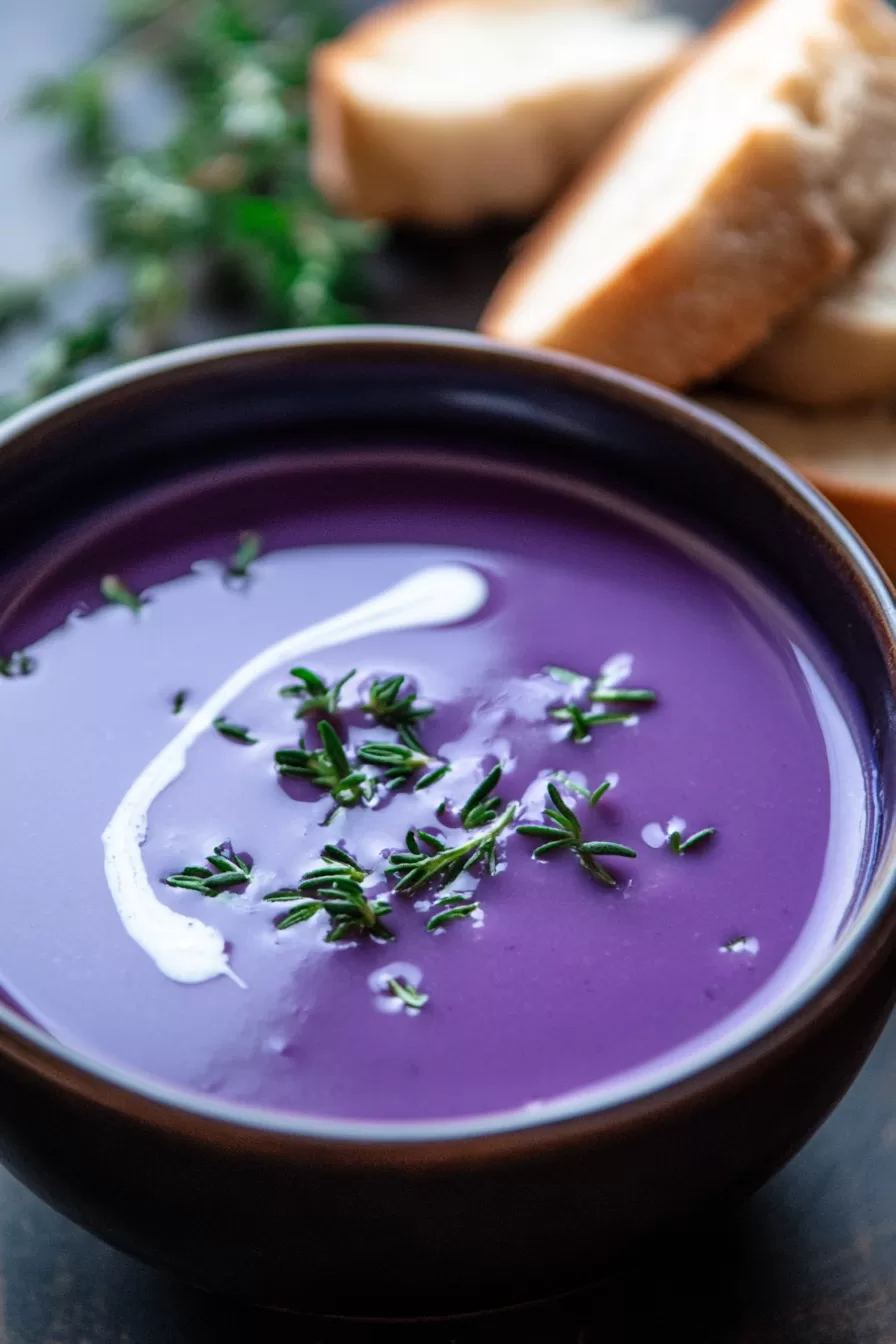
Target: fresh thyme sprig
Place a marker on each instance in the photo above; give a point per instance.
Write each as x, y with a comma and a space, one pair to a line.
17, 664
19, 302
392, 706
315, 696
454, 907
336, 888
427, 858
582, 722
481, 807
399, 763
115, 591
593, 795
400, 988
609, 695
222, 202
328, 768
226, 870
565, 832
247, 552
565, 674
235, 732
678, 845
600, 691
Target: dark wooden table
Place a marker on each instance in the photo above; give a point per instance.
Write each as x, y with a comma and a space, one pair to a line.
810, 1260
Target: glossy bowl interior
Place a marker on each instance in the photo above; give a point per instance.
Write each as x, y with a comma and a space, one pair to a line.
210, 1188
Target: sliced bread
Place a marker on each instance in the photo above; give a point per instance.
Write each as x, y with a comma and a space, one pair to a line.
448, 111
741, 189
839, 350
850, 456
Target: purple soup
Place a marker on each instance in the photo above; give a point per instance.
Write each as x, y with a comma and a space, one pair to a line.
682, 743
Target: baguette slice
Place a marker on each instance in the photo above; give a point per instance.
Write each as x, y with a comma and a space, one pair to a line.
448, 111
737, 193
850, 456
841, 349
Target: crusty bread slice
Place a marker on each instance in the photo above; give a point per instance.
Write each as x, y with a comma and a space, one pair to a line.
856, 448
738, 192
850, 456
448, 111
839, 350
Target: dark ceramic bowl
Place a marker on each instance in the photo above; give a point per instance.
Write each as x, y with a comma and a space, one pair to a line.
415, 1219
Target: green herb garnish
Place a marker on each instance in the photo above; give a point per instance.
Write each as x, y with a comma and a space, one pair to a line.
336, 888
582, 723
315, 696
221, 202
19, 302
481, 808
178, 700
427, 858
394, 707
599, 692
622, 694
565, 832
680, 846
226, 870
114, 591
399, 763
738, 944
451, 912
327, 768
17, 664
593, 795
235, 732
565, 675
400, 989
247, 552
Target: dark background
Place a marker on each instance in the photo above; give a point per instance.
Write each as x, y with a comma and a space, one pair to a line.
810, 1260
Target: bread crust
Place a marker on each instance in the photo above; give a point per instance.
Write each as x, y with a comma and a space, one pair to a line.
759, 238
823, 447
386, 162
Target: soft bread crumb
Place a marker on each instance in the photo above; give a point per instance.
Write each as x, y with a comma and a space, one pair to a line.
448, 111
744, 187
840, 350
857, 449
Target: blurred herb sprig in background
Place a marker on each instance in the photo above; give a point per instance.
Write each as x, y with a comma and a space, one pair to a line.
219, 210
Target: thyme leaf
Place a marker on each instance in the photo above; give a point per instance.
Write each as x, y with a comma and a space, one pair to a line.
582, 722
336, 888
600, 690
17, 664
562, 829
115, 591
314, 694
399, 762
451, 912
393, 705
247, 552
328, 768
235, 732
678, 845
481, 807
226, 870
427, 858
401, 989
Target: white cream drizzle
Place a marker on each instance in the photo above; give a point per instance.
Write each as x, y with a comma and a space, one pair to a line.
186, 949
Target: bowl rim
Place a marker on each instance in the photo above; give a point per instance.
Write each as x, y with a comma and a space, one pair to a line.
869, 938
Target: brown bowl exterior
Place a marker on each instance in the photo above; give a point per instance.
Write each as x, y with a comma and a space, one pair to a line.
410, 1221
